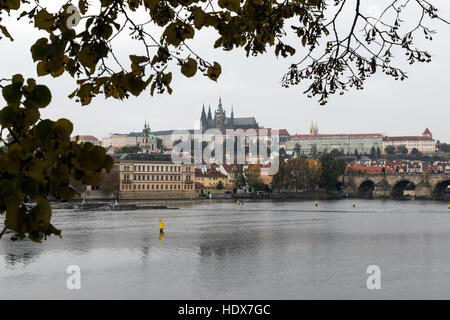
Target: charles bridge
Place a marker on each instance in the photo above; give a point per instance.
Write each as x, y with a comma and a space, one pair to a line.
425, 186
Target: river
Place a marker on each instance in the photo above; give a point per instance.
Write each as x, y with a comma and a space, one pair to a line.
219, 250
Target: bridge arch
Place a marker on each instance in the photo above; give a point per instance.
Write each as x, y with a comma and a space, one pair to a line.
441, 190
399, 188
366, 188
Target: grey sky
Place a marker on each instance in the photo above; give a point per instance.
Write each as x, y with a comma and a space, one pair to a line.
252, 85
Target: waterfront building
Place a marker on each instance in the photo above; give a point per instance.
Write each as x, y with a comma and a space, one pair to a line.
154, 176
424, 143
346, 143
211, 178
207, 182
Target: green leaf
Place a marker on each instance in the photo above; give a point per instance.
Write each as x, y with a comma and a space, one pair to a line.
40, 96
65, 124
44, 20
44, 129
40, 49
214, 71
189, 68
12, 94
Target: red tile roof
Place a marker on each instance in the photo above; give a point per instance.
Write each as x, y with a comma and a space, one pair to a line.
350, 135
406, 138
209, 174
85, 137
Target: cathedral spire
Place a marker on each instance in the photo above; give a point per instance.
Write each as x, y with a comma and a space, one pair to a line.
203, 116
219, 107
232, 112
209, 112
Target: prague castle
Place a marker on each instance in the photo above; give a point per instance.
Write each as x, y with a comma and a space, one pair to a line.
221, 122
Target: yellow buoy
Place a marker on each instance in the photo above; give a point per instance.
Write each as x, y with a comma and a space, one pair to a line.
316, 203
161, 226
354, 204
449, 207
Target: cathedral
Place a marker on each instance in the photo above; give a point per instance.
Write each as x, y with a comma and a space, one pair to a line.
222, 122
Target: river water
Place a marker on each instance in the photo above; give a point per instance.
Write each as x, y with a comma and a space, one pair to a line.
219, 250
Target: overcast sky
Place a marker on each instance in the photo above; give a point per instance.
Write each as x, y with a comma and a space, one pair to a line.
252, 85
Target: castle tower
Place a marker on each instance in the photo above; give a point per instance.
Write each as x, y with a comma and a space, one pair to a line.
427, 133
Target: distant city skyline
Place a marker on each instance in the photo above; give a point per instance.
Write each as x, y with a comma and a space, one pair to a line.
252, 85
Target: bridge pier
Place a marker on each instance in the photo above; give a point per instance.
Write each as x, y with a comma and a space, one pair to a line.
424, 190
382, 189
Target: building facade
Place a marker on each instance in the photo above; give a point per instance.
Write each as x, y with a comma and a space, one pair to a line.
121, 140
346, 143
154, 176
424, 143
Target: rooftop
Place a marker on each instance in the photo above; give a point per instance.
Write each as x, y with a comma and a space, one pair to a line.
146, 157
349, 135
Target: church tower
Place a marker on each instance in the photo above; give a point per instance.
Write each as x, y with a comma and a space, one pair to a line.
313, 129
147, 141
